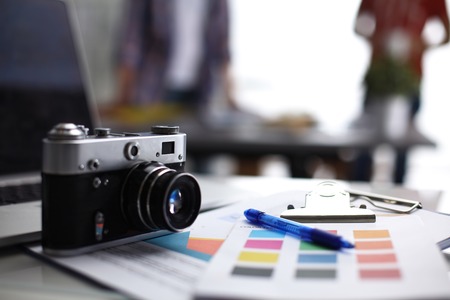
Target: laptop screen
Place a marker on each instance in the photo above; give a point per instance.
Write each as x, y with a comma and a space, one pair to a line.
41, 80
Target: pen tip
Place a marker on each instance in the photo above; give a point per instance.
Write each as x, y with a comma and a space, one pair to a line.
346, 244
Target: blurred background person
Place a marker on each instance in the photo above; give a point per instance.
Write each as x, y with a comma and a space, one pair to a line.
395, 30
175, 52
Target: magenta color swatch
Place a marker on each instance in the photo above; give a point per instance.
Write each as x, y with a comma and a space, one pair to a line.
264, 244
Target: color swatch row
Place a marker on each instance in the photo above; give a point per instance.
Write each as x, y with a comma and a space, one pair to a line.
375, 255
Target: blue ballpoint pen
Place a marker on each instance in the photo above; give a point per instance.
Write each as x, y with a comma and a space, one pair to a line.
305, 233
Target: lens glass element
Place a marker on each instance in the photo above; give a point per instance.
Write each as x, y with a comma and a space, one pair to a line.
175, 201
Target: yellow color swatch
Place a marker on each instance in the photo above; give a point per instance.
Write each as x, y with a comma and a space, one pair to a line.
371, 234
249, 256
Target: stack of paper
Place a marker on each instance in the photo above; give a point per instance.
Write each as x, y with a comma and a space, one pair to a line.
224, 256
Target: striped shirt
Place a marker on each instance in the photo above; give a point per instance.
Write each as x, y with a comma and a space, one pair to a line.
148, 42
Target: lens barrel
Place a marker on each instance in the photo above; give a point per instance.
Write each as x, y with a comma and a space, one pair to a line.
155, 197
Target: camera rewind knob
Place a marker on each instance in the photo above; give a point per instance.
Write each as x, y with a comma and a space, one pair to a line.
66, 131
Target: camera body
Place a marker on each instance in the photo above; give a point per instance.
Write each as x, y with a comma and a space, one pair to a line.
108, 189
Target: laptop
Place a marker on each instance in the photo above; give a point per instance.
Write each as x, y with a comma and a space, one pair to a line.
43, 82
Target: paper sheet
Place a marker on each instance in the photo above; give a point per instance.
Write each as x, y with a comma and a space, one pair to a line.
393, 258
139, 270
170, 267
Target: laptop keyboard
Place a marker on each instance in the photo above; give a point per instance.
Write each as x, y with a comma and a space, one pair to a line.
20, 193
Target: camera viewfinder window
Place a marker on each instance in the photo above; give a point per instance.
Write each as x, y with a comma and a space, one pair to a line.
168, 148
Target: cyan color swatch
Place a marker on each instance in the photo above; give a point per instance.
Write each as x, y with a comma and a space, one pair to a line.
270, 234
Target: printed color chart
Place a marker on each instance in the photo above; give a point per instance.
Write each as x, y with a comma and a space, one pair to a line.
254, 262
261, 251
374, 254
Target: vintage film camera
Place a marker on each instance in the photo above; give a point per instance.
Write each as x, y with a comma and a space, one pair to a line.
109, 188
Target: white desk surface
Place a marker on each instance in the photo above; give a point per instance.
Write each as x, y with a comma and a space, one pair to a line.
24, 277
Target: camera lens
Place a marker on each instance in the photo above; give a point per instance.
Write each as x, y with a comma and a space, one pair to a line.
155, 197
